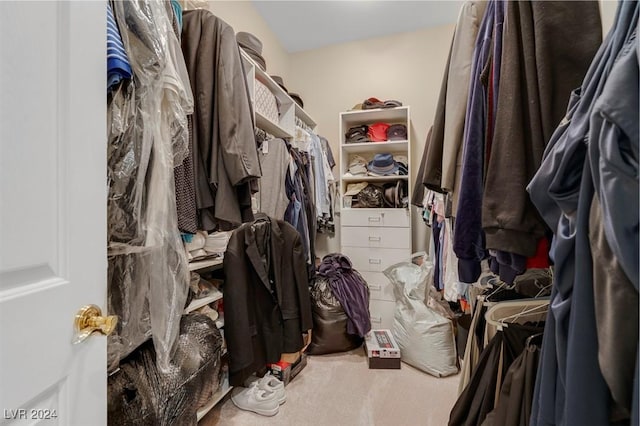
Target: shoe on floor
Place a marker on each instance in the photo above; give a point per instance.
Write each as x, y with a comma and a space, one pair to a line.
270, 383
254, 399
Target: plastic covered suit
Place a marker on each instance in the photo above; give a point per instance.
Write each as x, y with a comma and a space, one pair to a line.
148, 135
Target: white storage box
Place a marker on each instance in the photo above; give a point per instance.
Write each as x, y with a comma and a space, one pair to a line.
382, 350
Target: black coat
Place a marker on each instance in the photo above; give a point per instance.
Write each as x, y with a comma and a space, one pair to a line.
266, 295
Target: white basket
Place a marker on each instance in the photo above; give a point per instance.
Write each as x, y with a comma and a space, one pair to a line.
266, 103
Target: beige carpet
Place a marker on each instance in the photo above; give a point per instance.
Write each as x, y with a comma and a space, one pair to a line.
340, 390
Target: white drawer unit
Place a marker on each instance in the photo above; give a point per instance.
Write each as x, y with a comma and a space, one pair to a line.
375, 259
369, 236
380, 288
395, 218
381, 313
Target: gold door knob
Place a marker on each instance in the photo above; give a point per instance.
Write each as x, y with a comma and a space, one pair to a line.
89, 320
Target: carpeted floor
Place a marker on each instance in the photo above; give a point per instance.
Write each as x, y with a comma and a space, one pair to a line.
336, 390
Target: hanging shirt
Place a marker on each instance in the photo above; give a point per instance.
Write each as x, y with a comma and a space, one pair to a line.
118, 67
321, 186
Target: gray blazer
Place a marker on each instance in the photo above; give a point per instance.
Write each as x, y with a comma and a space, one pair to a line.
224, 144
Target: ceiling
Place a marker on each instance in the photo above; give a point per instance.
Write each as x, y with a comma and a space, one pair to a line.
305, 25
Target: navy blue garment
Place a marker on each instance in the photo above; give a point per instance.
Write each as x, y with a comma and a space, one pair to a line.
570, 388
351, 290
613, 154
507, 265
468, 237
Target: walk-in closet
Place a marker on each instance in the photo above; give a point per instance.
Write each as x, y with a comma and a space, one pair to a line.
322, 213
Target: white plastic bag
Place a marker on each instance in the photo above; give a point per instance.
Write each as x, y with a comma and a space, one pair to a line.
425, 337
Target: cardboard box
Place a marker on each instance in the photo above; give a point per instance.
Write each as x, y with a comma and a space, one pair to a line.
298, 366
382, 350
281, 370
285, 371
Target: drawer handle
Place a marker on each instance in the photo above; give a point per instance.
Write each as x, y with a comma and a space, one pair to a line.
377, 320
375, 238
375, 287
375, 261
374, 218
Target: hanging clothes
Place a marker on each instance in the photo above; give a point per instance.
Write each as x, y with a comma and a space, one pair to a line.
537, 74
274, 161
514, 403
614, 225
267, 303
225, 157
570, 386
479, 397
148, 275
469, 239
458, 77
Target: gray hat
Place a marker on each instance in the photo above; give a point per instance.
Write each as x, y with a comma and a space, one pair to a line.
280, 82
249, 41
355, 188
257, 59
297, 99
383, 165
253, 46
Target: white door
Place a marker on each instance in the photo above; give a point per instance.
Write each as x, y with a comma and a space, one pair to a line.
52, 210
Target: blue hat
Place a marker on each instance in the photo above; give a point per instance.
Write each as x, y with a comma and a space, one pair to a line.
383, 164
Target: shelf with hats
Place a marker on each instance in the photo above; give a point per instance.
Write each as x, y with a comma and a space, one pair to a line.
274, 107
375, 217
384, 146
397, 115
390, 178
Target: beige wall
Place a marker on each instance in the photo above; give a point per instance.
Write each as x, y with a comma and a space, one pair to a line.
242, 16
608, 12
407, 67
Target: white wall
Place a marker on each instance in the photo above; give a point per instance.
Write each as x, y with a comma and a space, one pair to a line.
243, 16
407, 67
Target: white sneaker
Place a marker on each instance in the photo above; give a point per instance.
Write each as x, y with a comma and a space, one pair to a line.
254, 399
272, 384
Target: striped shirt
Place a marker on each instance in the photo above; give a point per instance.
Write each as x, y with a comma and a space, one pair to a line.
118, 67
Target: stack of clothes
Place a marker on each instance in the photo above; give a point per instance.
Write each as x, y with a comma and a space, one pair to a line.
202, 245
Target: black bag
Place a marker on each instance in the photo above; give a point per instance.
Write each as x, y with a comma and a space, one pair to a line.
140, 394
329, 322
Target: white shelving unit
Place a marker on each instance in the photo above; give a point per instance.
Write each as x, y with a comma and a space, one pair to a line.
199, 303
304, 116
373, 179
289, 110
376, 147
375, 238
207, 265
200, 265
